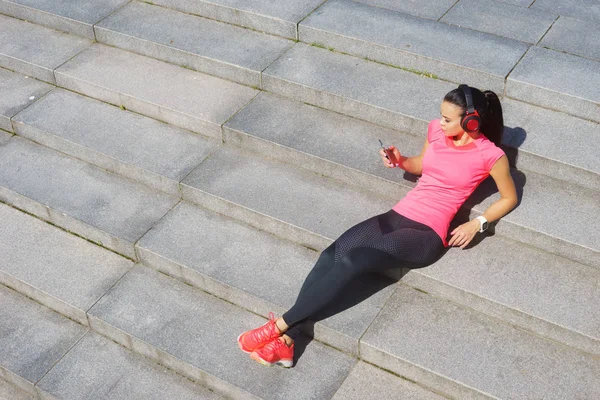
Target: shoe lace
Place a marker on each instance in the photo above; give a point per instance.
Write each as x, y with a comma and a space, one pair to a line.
266, 332
273, 346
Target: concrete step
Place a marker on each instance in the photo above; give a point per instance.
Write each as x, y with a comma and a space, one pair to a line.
18, 93
61, 14
343, 147
9, 391
194, 334
435, 9
539, 135
180, 247
573, 36
367, 382
100, 206
4, 136
452, 53
352, 86
61, 271
208, 46
137, 147
346, 149
520, 3
178, 96
97, 368
34, 50
277, 17
502, 19
280, 198
585, 10
469, 355
558, 81
33, 338
550, 305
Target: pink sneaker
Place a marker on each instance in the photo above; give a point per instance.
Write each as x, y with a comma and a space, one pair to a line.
275, 352
259, 337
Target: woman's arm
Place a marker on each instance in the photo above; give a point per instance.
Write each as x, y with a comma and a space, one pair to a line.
500, 172
412, 165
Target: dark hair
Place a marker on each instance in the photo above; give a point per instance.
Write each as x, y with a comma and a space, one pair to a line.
489, 108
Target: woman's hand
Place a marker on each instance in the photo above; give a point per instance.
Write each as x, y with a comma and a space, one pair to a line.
385, 160
463, 234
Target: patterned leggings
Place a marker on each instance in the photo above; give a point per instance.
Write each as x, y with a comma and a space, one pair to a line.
385, 241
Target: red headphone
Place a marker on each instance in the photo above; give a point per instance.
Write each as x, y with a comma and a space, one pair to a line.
471, 122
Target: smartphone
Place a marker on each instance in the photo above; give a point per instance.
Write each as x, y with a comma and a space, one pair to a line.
389, 154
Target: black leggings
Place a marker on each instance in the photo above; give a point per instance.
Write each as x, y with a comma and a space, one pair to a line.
385, 241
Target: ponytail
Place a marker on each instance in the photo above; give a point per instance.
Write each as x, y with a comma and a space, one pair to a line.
492, 125
489, 108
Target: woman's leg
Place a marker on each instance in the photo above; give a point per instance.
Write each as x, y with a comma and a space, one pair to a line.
363, 232
410, 244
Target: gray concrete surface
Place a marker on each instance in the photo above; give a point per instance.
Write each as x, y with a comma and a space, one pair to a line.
235, 261
586, 10
321, 141
9, 391
181, 97
452, 53
61, 271
434, 10
284, 200
553, 143
195, 334
98, 205
574, 36
531, 288
137, 147
19, 92
277, 17
469, 355
62, 14
97, 368
502, 19
34, 50
32, 339
365, 90
208, 46
367, 382
558, 81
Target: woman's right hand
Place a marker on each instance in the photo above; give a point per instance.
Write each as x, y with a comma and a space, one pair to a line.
387, 163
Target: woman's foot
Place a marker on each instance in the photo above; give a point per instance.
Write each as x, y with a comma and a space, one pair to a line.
259, 337
276, 352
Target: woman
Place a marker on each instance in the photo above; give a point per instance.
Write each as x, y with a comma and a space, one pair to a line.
461, 150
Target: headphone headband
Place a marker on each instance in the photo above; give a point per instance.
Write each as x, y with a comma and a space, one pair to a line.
468, 97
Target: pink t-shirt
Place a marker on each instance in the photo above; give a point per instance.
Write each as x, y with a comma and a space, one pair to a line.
450, 174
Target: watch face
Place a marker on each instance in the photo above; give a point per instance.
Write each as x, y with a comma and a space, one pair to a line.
484, 226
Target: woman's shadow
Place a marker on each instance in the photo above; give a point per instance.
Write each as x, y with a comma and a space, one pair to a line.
369, 284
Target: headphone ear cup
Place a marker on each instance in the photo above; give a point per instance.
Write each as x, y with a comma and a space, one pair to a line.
471, 122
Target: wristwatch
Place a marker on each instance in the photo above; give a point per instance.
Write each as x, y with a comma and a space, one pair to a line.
484, 223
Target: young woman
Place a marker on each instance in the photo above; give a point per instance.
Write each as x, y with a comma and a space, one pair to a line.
461, 150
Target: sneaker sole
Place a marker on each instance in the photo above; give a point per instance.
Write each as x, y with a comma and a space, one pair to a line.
281, 363
239, 342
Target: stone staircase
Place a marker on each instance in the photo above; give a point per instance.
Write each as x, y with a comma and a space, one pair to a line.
183, 153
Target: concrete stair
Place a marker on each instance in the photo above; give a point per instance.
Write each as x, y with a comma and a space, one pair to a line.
34, 50
45, 355
205, 45
174, 324
121, 78
277, 17
61, 15
513, 316
77, 196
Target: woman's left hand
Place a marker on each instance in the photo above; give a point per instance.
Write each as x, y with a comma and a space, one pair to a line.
463, 234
